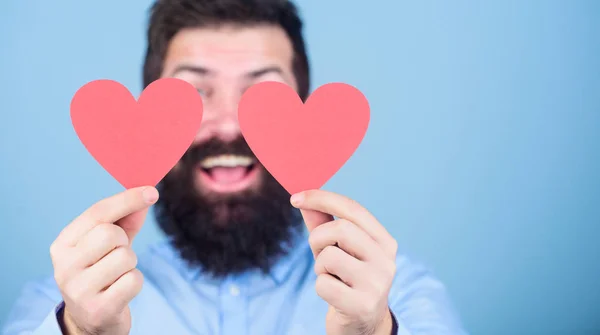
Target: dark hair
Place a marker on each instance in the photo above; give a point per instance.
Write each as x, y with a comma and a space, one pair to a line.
168, 17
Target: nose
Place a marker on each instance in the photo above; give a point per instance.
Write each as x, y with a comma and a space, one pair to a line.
219, 121
226, 128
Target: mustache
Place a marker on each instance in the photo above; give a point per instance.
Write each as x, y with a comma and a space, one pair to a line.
215, 147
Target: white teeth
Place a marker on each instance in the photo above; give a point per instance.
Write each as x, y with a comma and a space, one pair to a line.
226, 161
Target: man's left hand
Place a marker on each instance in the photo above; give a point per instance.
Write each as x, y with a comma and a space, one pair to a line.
354, 262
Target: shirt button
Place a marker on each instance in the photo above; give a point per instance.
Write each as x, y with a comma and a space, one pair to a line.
234, 290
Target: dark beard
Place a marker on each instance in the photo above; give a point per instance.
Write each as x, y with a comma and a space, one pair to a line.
225, 234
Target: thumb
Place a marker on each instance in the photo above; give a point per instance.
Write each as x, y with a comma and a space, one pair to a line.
313, 218
132, 223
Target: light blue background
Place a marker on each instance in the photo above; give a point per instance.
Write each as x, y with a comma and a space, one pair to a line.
482, 158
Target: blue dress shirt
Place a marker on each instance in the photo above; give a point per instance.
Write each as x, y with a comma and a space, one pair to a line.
177, 299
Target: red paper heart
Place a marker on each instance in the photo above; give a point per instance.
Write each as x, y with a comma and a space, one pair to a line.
137, 142
303, 145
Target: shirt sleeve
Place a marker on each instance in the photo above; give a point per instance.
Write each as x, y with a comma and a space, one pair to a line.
36, 310
419, 302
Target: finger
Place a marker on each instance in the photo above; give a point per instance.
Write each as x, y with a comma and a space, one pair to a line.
110, 268
109, 210
123, 290
313, 219
337, 262
132, 223
348, 237
345, 208
335, 292
100, 241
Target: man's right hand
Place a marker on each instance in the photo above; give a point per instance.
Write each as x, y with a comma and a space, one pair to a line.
95, 267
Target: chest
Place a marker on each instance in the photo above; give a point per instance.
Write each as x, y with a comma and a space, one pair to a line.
292, 308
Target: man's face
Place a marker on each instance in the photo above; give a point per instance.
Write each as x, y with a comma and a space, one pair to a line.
222, 63
223, 210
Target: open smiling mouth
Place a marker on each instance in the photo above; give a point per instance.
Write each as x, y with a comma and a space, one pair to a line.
227, 173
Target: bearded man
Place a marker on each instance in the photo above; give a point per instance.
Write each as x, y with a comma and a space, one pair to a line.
241, 255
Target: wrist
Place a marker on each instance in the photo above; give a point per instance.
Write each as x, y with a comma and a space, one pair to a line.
385, 325
67, 325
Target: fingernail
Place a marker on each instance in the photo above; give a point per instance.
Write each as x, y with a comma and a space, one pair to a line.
150, 194
297, 199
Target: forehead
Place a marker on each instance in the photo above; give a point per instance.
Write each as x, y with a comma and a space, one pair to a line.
229, 49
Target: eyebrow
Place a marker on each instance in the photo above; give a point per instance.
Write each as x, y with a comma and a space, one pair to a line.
192, 68
203, 71
261, 72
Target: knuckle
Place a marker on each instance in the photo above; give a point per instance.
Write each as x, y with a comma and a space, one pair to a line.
61, 271
392, 269
333, 225
63, 268
319, 284
322, 286
133, 279
126, 256
58, 259
394, 246
103, 231
54, 250
320, 266
330, 254
132, 257
313, 237
354, 207
97, 211
59, 278
320, 233
138, 278
119, 255
329, 260
111, 233
121, 237
343, 228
